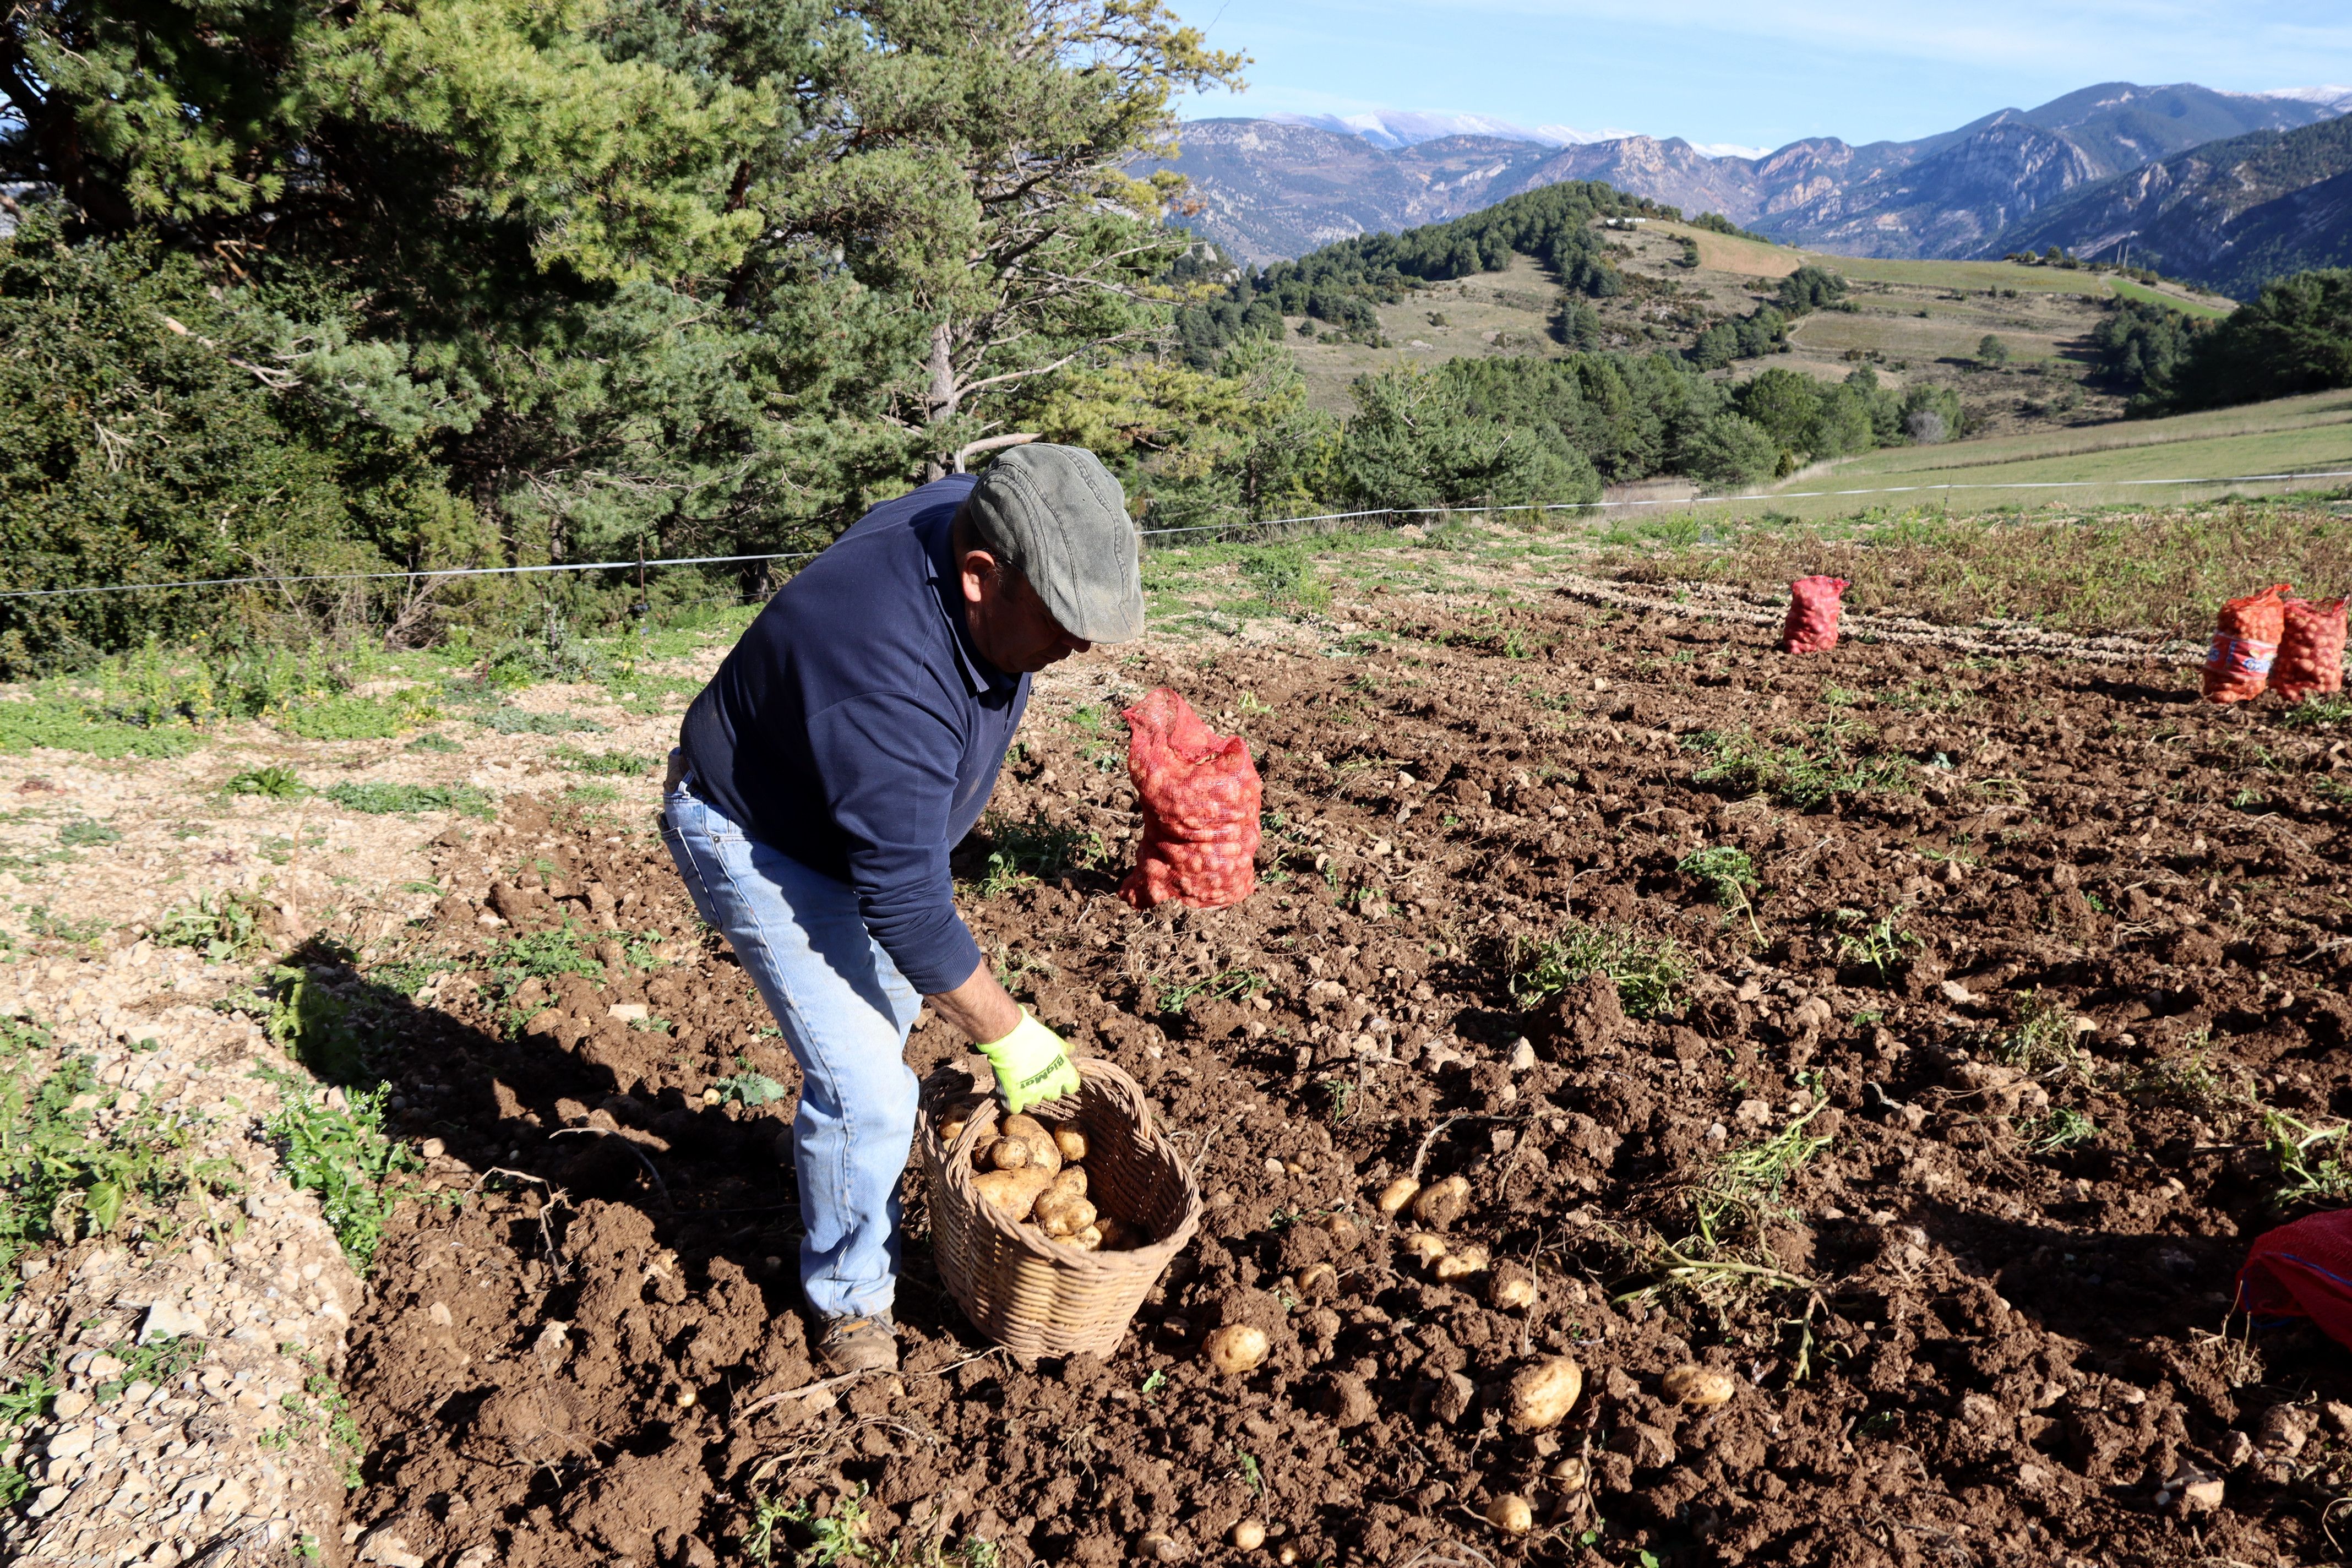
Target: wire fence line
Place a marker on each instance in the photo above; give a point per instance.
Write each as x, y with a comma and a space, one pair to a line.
1238, 526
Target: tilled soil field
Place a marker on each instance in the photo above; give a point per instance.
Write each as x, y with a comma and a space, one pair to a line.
1936, 1117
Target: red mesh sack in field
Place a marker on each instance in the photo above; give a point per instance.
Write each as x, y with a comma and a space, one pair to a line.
1201, 794
2303, 1270
2245, 641
1811, 626
2310, 651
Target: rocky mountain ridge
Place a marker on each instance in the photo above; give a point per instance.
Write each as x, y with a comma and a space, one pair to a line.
2229, 213
1267, 191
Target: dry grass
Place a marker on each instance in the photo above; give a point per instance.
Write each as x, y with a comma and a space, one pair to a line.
2125, 571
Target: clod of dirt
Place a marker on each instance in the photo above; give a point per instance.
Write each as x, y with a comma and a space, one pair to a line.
1235, 1349
1698, 1387
1397, 1194
387, 1550
1590, 1018
2285, 1428
1349, 1402
1249, 1535
1511, 1514
1453, 1398
1441, 1203
2190, 1492
532, 1422
1541, 1393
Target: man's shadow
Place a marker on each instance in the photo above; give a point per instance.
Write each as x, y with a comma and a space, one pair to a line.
574, 1155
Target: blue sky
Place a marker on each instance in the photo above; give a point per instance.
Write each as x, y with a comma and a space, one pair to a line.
1761, 72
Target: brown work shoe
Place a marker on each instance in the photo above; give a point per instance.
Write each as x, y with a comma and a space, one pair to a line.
859, 1345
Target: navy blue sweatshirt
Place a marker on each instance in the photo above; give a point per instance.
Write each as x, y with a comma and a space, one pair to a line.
856, 728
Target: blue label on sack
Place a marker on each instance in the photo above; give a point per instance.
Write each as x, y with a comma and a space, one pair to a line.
2241, 655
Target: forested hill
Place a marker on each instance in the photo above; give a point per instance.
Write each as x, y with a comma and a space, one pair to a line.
1340, 283
2229, 214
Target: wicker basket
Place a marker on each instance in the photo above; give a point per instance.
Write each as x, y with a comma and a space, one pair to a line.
1036, 1297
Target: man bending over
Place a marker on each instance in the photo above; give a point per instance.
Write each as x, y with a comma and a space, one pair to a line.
849, 741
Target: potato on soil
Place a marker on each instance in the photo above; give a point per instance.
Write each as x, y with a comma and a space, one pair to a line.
1318, 1282
1007, 1154
1698, 1387
1511, 1514
1441, 1203
1042, 1152
1158, 1547
1570, 1474
1397, 1194
1235, 1349
1460, 1263
1541, 1393
1249, 1535
1012, 1192
1425, 1248
1341, 1229
1512, 1288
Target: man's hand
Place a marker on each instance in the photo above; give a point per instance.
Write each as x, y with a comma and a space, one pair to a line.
1030, 1066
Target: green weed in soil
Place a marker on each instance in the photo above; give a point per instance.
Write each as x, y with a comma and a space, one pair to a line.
543, 956
220, 925
752, 1088
66, 724
1019, 853
355, 717
516, 721
343, 1154
1649, 971
1728, 873
275, 783
603, 765
1801, 769
380, 799
319, 1414
63, 1176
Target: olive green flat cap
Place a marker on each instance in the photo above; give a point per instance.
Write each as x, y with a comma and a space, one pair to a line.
1056, 516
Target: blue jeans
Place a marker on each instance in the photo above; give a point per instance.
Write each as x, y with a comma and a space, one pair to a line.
845, 1010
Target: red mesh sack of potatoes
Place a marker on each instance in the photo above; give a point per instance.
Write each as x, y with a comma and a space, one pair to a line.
2303, 1270
1200, 794
2245, 642
2311, 649
1811, 626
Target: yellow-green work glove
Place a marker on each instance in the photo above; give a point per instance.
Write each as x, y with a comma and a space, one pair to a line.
1030, 1066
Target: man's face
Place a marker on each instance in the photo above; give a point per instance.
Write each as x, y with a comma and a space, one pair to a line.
1010, 624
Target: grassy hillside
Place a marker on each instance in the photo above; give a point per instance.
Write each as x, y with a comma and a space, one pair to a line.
1911, 320
2292, 435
